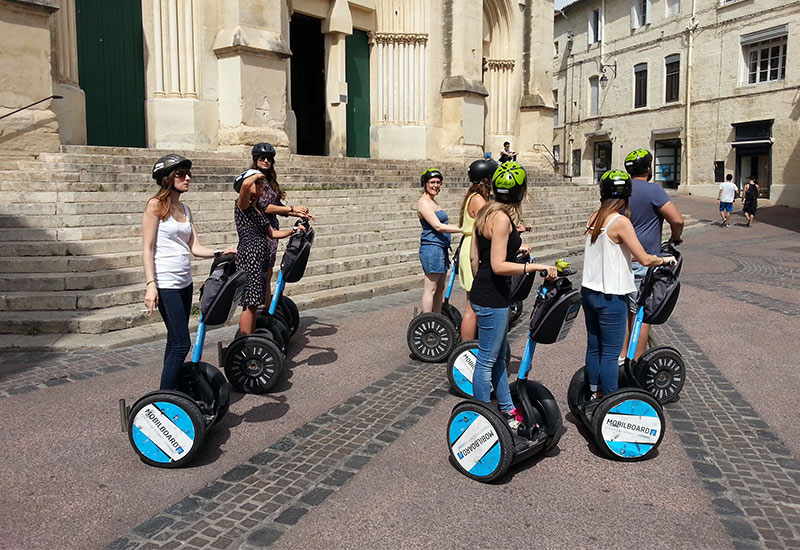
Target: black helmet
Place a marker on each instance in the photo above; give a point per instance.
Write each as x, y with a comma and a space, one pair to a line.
615, 184
510, 182
239, 180
429, 174
483, 168
639, 162
263, 149
165, 165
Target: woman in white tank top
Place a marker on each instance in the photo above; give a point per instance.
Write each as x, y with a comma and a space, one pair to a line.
168, 241
608, 279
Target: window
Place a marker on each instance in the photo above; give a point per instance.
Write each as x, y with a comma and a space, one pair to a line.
719, 171
672, 78
594, 95
576, 163
555, 48
594, 26
555, 104
764, 53
640, 13
640, 85
673, 8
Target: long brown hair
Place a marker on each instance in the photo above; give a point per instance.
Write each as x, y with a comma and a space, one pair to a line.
607, 207
512, 210
162, 196
272, 177
481, 189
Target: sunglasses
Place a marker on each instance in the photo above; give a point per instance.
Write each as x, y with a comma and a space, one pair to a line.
183, 174
265, 158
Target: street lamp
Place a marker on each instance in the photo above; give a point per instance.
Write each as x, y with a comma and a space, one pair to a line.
604, 78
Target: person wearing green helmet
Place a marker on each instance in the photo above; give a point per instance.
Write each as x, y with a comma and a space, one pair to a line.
169, 240
608, 279
434, 241
649, 207
494, 245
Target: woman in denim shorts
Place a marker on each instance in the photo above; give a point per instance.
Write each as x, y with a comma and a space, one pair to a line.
434, 242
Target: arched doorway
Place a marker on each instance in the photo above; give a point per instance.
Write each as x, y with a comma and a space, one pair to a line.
499, 55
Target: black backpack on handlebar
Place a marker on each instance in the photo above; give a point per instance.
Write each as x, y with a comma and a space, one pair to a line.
221, 292
521, 284
660, 289
295, 258
554, 311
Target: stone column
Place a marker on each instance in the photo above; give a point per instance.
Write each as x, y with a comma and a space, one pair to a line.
252, 54
71, 111
463, 93
336, 28
27, 76
536, 106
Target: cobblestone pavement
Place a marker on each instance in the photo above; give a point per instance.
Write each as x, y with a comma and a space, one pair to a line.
732, 435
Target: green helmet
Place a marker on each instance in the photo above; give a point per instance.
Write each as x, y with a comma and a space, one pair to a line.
510, 182
615, 184
639, 162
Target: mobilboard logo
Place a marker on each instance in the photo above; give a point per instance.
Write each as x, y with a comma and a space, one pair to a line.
636, 428
475, 445
168, 437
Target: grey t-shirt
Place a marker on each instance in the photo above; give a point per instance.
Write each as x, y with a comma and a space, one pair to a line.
646, 200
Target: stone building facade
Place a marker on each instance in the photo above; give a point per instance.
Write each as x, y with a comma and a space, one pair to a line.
406, 79
710, 86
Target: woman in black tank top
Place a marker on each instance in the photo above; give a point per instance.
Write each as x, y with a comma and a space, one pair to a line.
493, 249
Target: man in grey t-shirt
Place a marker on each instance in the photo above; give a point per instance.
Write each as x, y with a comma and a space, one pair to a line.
649, 206
725, 198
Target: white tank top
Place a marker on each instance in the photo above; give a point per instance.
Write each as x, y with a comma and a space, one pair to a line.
607, 265
172, 254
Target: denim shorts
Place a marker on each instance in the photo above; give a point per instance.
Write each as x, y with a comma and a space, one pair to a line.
434, 258
726, 207
639, 271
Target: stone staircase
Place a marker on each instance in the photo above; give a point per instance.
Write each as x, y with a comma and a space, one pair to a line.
70, 233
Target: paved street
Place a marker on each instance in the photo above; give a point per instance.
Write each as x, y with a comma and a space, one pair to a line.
349, 450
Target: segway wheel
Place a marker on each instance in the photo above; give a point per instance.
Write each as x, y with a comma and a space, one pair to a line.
431, 337
662, 372
166, 429
480, 444
453, 314
253, 364
278, 330
516, 312
461, 366
290, 311
219, 385
628, 425
578, 392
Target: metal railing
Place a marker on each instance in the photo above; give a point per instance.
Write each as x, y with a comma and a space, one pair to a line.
557, 164
31, 105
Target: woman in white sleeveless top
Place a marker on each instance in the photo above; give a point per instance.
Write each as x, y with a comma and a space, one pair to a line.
168, 241
608, 279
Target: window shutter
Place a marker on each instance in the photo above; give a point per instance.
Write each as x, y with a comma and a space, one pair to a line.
590, 30
647, 16
634, 15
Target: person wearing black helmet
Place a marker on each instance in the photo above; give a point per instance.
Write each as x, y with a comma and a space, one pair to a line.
256, 233
494, 245
169, 239
434, 242
271, 202
649, 207
608, 279
480, 175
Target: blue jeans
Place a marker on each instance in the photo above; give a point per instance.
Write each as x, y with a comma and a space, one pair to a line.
490, 367
606, 319
175, 306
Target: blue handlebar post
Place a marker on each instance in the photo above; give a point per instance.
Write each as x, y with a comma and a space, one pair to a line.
199, 340
451, 281
277, 294
527, 360
637, 327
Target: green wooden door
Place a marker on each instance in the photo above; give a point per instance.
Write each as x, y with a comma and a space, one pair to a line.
111, 70
357, 68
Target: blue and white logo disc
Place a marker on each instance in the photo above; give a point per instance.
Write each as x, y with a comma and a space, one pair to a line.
163, 432
631, 429
474, 443
463, 370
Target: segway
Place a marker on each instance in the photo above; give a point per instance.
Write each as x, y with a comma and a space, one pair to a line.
254, 363
432, 336
481, 443
166, 428
628, 424
462, 361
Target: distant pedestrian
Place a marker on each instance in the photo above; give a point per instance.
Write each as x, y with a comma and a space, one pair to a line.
487, 155
725, 198
507, 153
750, 200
